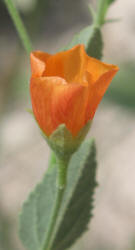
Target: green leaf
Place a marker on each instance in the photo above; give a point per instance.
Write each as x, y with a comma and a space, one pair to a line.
37, 211
78, 207
29, 229
46, 192
91, 38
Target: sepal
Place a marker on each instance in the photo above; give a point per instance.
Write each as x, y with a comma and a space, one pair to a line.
63, 143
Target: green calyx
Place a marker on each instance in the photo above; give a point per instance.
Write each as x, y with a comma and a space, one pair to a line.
63, 143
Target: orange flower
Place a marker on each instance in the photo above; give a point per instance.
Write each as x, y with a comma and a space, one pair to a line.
67, 87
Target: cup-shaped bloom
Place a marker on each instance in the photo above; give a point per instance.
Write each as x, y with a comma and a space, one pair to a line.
67, 87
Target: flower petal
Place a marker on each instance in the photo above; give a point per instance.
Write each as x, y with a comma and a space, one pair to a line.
55, 102
38, 63
96, 92
69, 65
67, 88
97, 68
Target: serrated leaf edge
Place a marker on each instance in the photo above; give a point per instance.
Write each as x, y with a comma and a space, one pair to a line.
25, 204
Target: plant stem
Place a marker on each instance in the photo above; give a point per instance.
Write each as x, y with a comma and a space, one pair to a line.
61, 184
101, 12
19, 25
52, 160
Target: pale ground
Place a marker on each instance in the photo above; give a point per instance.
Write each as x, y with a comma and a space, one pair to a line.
25, 160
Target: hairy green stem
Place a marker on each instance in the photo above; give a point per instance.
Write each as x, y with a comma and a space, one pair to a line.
19, 25
61, 185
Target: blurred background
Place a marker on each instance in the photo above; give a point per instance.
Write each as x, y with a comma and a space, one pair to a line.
24, 154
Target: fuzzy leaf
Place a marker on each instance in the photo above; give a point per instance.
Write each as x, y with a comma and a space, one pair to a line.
29, 229
78, 208
46, 192
92, 39
37, 210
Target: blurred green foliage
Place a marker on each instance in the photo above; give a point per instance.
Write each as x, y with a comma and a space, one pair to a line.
122, 88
